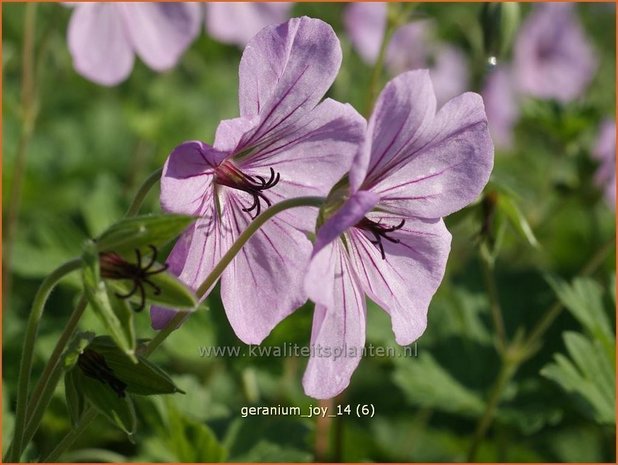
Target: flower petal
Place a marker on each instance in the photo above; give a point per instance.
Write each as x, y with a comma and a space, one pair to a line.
405, 281
263, 284
338, 334
160, 32
237, 22
199, 250
99, 43
314, 153
187, 177
403, 112
322, 259
444, 169
285, 70
365, 24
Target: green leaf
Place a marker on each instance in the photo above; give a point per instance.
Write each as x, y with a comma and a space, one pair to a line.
191, 441
75, 398
115, 313
119, 410
589, 373
139, 232
584, 300
173, 292
426, 383
143, 378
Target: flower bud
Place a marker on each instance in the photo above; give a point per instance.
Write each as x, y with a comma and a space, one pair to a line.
499, 22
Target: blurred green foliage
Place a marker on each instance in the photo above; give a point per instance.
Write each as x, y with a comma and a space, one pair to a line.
93, 146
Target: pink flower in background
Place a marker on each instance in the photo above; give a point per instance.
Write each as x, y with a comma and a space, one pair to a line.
105, 37
285, 144
388, 241
236, 23
605, 152
501, 105
410, 48
553, 59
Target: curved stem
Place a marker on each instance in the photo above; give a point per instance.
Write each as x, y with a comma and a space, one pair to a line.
44, 390
28, 350
138, 200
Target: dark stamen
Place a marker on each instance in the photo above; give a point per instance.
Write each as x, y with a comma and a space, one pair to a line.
380, 232
113, 266
229, 175
93, 364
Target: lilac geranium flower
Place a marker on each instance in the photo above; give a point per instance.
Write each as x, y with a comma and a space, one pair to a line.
104, 37
237, 22
284, 144
605, 152
387, 240
501, 105
410, 48
553, 59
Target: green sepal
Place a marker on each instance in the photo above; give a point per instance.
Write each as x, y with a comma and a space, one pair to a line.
173, 292
76, 401
115, 313
79, 342
143, 378
140, 232
119, 410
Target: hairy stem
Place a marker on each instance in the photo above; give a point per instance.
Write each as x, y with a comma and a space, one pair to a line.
27, 355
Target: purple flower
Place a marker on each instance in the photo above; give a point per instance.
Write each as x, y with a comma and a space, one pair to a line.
410, 48
236, 23
388, 241
104, 37
284, 144
605, 152
501, 106
553, 60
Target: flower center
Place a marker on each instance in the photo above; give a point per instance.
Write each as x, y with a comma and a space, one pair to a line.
227, 174
113, 266
379, 232
93, 364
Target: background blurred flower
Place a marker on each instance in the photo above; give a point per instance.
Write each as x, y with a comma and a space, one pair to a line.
285, 144
553, 59
605, 152
104, 37
416, 165
501, 105
411, 47
237, 22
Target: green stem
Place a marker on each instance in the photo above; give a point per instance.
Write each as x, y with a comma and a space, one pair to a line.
44, 390
518, 352
494, 303
87, 418
504, 377
210, 280
27, 355
392, 22
28, 109
143, 191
